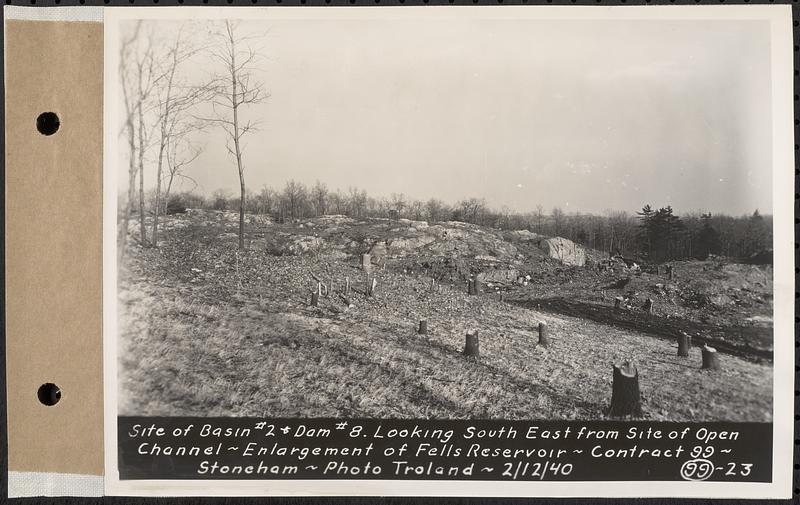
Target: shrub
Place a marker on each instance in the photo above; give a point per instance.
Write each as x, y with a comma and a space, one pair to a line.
176, 205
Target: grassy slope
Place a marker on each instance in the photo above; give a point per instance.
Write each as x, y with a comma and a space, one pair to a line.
238, 338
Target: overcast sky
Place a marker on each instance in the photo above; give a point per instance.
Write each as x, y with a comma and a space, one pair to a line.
584, 115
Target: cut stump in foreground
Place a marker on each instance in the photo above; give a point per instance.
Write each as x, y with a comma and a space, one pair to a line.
684, 343
710, 358
472, 348
543, 340
626, 400
423, 327
315, 298
366, 262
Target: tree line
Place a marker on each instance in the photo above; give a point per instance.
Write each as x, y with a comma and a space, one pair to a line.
651, 234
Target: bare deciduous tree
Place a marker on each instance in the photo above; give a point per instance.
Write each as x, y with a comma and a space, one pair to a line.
398, 202
435, 209
319, 198
138, 77
293, 199
473, 210
235, 88
358, 201
180, 152
173, 99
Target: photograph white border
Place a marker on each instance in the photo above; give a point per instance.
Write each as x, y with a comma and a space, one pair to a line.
780, 19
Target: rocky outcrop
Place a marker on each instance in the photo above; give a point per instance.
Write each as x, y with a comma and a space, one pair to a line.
564, 250
304, 245
378, 253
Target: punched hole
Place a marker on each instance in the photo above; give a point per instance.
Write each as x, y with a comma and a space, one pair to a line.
49, 394
47, 123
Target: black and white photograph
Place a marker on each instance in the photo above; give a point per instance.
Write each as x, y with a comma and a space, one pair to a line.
457, 214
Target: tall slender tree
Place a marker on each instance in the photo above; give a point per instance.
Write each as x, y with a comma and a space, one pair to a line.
173, 97
235, 88
138, 77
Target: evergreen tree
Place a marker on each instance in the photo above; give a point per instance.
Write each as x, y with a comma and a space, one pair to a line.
707, 240
646, 230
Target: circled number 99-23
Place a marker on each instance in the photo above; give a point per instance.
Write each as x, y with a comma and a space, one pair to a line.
702, 469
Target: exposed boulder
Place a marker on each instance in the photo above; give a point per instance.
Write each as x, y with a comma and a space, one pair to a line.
303, 245
401, 246
526, 236
378, 252
564, 250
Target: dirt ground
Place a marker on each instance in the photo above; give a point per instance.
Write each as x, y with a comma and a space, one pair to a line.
209, 330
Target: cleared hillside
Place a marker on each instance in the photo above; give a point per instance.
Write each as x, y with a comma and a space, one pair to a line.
210, 330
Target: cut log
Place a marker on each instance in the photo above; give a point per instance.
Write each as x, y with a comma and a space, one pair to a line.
626, 399
471, 348
543, 340
683, 344
423, 327
366, 262
710, 358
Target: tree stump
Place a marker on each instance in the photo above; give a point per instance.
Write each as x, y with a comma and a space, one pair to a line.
669, 272
366, 262
648, 306
617, 302
423, 327
626, 399
477, 286
471, 287
683, 344
315, 298
543, 340
471, 348
347, 287
372, 283
710, 358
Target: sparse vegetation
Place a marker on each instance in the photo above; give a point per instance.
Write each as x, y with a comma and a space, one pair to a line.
212, 330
